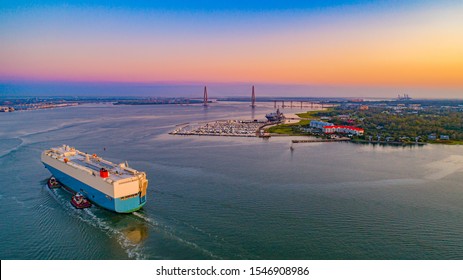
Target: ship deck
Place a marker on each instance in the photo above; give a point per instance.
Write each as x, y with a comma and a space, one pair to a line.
93, 163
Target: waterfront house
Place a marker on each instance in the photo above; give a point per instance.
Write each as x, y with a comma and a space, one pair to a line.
343, 129
319, 124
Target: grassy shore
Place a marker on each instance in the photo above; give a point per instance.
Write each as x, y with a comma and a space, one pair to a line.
292, 129
447, 142
289, 129
392, 143
313, 115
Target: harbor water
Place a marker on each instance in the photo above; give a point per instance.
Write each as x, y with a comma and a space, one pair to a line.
215, 197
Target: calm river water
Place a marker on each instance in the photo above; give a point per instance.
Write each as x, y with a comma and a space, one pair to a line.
225, 197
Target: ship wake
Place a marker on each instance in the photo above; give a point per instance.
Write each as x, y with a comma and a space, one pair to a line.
170, 233
89, 216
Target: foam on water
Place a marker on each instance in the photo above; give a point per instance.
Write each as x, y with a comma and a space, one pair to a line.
61, 126
171, 233
13, 149
134, 251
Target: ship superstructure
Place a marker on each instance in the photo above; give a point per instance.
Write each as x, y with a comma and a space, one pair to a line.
275, 117
116, 187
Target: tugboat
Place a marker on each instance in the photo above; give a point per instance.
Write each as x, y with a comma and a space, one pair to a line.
53, 183
80, 202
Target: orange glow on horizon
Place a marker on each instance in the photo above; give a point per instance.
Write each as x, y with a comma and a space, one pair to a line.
418, 50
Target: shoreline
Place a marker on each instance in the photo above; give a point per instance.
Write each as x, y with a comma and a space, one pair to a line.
286, 129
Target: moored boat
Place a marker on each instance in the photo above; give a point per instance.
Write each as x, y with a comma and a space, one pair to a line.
275, 117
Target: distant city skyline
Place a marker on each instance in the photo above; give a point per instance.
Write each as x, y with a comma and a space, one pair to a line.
216, 90
290, 48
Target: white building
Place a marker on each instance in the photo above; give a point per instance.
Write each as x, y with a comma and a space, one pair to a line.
319, 124
343, 129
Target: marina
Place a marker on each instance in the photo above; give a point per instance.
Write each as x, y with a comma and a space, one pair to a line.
237, 128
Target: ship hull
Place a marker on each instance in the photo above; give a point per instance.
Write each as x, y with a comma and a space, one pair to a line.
97, 197
271, 118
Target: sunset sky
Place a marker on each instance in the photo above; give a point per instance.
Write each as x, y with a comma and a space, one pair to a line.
414, 46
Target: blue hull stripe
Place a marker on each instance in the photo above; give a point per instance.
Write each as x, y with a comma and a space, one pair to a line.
95, 196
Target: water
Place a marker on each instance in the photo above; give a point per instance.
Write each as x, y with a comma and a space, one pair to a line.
227, 198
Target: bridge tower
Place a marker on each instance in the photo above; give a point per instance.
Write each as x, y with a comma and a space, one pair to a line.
253, 98
205, 97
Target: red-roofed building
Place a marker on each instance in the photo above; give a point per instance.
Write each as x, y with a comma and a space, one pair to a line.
343, 129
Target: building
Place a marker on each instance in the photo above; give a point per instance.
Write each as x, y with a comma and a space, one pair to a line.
344, 129
415, 106
343, 117
444, 137
404, 97
6, 109
319, 124
363, 107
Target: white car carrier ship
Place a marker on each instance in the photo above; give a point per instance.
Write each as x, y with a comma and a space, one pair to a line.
115, 187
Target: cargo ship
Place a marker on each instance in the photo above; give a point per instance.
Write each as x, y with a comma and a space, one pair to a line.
115, 187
